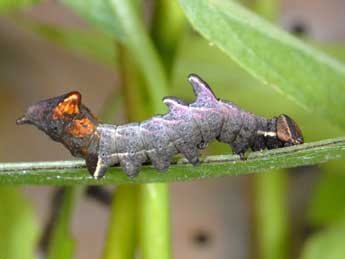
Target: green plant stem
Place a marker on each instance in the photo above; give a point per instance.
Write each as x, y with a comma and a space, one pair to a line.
142, 50
18, 225
74, 172
134, 88
155, 221
121, 238
272, 215
168, 26
61, 244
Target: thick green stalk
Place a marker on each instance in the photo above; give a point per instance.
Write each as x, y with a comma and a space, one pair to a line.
155, 218
18, 225
121, 238
272, 215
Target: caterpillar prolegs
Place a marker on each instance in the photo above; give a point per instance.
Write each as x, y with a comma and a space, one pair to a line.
185, 129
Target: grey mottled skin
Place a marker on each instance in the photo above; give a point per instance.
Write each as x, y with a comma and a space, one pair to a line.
185, 129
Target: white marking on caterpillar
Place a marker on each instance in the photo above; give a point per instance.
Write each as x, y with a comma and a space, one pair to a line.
98, 169
267, 133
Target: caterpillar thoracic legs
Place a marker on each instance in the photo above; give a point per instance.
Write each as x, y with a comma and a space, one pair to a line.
185, 129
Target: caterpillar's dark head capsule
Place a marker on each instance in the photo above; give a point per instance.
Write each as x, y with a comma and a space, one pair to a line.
64, 119
288, 131
50, 115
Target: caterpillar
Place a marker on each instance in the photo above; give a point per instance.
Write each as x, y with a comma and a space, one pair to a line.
186, 129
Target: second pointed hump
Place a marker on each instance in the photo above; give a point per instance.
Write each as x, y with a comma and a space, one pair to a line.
175, 104
202, 90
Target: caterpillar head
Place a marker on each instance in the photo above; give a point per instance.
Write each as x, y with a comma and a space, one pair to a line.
64, 119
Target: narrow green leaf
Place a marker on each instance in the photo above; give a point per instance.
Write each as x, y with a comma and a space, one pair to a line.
61, 244
73, 172
230, 82
10, 5
328, 243
100, 14
18, 229
307, 76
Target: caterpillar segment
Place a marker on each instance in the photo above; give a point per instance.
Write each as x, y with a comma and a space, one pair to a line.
185, 128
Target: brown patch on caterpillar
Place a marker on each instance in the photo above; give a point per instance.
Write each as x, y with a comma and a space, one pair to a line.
288, 130
70, 105
81, 127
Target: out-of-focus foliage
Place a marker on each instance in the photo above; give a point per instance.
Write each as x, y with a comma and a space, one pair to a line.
18, 228
328, 243
268, 9
93, 45
122, 231
99, 14
272, 219
328, 204
168, 27
11, 5
61, 245
308, 77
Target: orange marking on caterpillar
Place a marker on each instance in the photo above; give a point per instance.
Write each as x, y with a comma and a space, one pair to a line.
82, 127
70, 105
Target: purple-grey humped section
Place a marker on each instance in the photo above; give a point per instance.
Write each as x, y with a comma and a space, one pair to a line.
185, 129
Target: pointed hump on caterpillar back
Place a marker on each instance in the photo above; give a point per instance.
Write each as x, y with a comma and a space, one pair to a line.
202, 90
175, 104
68, 104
